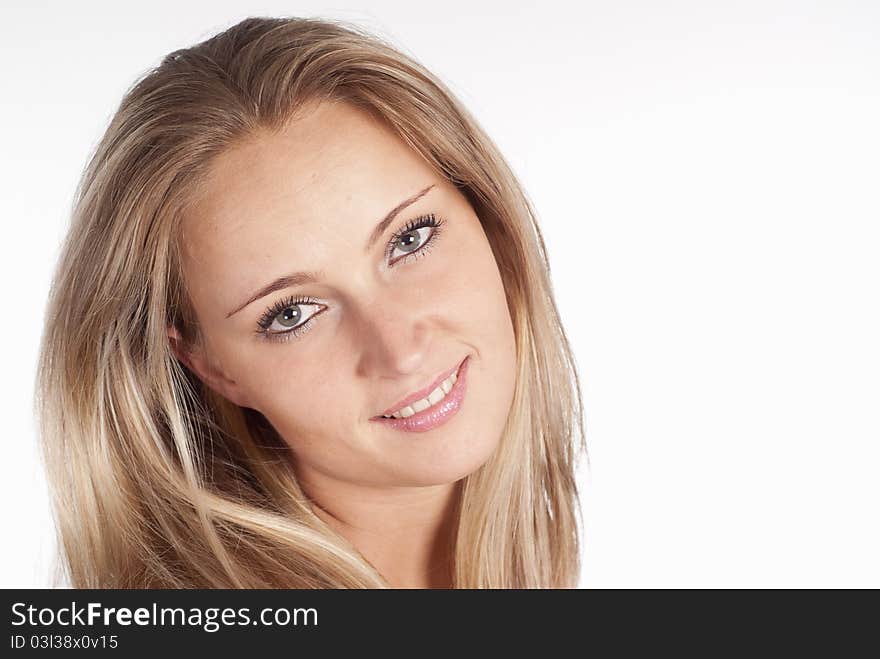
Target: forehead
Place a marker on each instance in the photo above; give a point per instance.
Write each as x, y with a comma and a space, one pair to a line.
334, 158
278, 200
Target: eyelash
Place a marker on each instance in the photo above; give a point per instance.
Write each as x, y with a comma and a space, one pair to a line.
265, 321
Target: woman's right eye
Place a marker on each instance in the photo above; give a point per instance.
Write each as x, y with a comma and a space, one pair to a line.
288, 317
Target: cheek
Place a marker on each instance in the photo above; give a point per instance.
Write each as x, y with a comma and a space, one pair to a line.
315, 415
484, 297
301, 393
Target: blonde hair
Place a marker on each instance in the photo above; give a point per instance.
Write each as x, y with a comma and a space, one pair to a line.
159, 483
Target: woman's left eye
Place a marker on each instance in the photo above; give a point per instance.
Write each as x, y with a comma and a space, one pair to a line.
412, 240
414, 237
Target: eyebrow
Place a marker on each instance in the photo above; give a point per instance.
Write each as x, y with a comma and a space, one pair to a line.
309, 277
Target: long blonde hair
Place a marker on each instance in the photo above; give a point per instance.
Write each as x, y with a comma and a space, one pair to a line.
159, 483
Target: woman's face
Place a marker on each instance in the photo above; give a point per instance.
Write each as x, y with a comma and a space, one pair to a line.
385, 315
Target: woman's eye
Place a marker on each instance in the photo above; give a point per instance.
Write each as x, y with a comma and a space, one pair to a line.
290, 318
293, 316
412, 240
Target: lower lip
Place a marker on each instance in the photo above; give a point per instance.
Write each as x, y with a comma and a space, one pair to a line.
437, 414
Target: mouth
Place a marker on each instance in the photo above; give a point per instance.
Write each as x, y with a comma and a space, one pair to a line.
431, 406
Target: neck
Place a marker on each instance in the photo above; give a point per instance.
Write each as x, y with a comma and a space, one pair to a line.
406, 533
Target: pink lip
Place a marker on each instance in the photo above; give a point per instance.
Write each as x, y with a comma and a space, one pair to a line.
421, 393
436, 414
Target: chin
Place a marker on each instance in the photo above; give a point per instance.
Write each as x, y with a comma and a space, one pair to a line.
450, 461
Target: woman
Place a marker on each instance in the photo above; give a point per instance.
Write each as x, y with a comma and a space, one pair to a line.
302, 335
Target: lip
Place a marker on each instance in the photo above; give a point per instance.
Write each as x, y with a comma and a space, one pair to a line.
438, 413
421, 393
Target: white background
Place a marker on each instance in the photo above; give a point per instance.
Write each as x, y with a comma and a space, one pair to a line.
706, 175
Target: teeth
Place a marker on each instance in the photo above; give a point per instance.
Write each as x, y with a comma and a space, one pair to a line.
420, 405
424, 403
436, 395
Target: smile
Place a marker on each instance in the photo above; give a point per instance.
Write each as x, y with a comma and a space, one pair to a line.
423, 411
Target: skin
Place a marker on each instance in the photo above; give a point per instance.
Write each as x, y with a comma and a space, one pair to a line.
308, 198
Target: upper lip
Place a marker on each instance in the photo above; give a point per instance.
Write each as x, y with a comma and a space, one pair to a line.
422, 393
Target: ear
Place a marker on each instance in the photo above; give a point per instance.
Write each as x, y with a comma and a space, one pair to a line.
199, 363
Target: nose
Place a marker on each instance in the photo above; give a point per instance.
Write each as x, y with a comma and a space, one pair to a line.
396, 338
